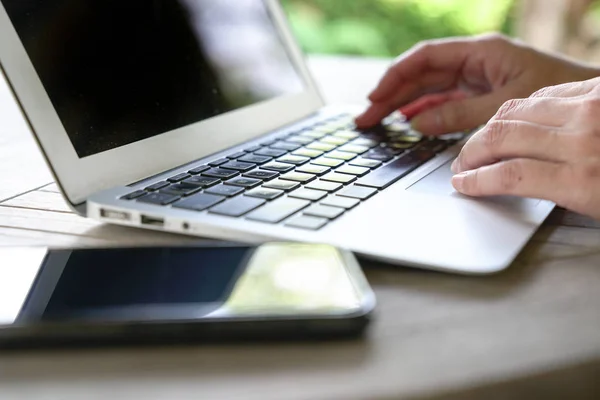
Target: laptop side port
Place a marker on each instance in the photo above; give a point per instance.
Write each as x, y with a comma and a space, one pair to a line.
153, 221
115, 215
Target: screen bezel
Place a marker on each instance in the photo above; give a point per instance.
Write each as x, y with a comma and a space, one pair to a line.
81, 177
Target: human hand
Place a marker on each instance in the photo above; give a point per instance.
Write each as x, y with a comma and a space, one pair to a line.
457, 84
546, 147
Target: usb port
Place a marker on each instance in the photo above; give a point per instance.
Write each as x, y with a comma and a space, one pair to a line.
152, 221
113, 214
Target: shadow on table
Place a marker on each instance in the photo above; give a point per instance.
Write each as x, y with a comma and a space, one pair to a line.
181, 362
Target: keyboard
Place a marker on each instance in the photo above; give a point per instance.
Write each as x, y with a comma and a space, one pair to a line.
304, 179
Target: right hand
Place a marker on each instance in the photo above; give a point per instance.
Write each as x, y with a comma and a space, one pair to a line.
458, 84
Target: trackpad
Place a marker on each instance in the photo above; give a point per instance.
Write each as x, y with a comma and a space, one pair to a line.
439, 183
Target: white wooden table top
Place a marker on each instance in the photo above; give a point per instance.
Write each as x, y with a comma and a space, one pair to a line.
531, 331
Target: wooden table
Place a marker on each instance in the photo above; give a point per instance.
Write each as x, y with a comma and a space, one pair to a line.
533, 330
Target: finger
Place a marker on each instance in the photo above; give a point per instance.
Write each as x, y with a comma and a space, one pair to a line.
447, 55
427, 83
501, 140
571, 89
460, 115
518, 177
430, 101
550, 111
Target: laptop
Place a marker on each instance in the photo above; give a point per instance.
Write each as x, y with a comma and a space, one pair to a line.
200, 117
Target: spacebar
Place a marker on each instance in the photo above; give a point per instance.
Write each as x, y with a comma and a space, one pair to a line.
392, 172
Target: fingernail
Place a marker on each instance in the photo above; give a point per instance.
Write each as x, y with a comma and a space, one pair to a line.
459, 180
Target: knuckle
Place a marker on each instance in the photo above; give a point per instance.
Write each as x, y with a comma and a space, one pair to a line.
494, 135
494, 38
548, 91
510, 175
508, 108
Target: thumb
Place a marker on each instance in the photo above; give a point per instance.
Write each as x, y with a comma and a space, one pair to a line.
458, 115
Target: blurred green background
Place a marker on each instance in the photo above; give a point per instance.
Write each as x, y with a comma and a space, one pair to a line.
386, 28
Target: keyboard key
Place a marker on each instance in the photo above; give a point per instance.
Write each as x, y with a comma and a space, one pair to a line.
218, 162
202, 181
199, 170
179, 177
157, 186
408, 138
262, 174
279, 184
247, 183
298, 177
225, 190
339, 178
352, 148
238, 166
279, 210
270, 152
285, 146
327, 162
378, 156
324, 211
252, 149
326, 128
352, 170
390, 173
436, 146
401, 145
306, 222
357, 192
346, 134
161, 199
135, 195
300, 139
181, 189
308, 194
236, 155
313, 169
338, 141
295, 160
238, 206
314, 134
363, 162
221, 173
341, 155
254, 159
268, 142
341, 202
277, 166
265, 193
304, 152
365, 142
321, 146
325, 186
199, 202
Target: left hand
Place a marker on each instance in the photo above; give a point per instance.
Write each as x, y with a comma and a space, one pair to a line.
546, 146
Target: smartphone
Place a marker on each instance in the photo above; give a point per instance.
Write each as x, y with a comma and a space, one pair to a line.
180, 294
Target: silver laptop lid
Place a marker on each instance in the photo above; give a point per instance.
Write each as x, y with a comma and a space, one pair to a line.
117, 91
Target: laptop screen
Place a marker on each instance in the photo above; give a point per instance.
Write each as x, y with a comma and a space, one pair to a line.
118, 72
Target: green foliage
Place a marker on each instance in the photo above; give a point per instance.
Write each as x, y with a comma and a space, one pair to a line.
388, 27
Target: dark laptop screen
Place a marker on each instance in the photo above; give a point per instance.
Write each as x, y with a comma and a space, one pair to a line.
122, 71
